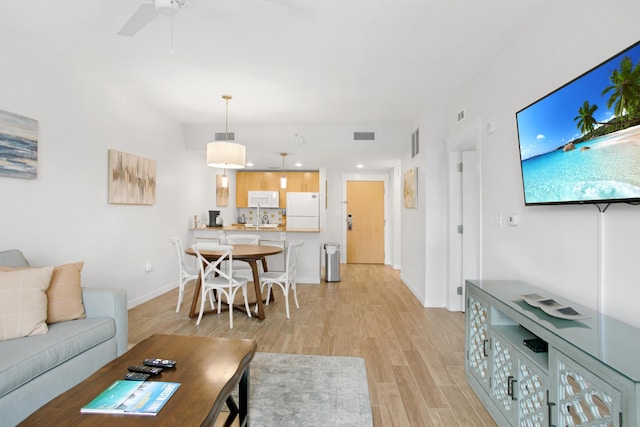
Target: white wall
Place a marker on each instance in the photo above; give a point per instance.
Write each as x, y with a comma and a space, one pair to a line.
63, 215
554, 247
424, 237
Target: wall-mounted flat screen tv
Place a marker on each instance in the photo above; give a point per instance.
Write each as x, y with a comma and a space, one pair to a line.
581, 143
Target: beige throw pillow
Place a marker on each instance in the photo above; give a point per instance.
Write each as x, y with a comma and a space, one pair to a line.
23, 302
65, 294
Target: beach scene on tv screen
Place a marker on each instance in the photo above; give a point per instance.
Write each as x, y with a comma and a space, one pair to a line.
581, 143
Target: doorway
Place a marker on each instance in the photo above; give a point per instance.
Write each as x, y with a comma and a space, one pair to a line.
465, 233
365, 227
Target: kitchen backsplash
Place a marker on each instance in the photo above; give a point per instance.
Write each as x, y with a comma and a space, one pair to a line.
274, 215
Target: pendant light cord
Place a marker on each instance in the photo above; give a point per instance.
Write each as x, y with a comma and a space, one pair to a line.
173, 12
226, 123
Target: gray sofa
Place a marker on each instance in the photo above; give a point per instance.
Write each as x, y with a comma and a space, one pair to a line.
35, 369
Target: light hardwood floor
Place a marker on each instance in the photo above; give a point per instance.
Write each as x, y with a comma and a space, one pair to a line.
414, 356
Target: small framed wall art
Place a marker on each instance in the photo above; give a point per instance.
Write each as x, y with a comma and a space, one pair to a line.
132, 179
18, 146
411, 188
222, 193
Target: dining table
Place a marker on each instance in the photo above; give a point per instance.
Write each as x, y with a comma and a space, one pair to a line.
251, 254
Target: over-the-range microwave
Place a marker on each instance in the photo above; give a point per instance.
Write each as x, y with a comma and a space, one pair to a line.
264, 199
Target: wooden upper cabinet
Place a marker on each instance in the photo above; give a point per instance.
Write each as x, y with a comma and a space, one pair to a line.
270, 181
254, 181
258, 181
243, 185
303, 181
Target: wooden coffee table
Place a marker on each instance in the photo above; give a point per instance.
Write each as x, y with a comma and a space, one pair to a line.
208, 369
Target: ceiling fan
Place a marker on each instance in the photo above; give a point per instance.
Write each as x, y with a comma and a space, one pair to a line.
147, 12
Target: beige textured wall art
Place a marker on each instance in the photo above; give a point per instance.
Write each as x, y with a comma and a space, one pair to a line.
132, 179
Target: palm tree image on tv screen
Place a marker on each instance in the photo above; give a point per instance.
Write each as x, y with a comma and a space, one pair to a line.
581, 143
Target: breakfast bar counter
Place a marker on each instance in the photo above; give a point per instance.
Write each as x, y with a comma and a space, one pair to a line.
265, 228
309, 257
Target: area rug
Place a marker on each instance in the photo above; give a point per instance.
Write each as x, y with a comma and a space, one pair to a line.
299, 390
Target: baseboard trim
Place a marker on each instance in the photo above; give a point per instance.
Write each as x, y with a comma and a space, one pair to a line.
151, 295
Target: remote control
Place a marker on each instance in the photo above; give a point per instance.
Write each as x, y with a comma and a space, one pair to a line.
145, 370
536, 345
136, 376
160, 363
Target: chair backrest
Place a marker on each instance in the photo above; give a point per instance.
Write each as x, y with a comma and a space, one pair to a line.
292, 258
177, 246
243, 239
216, 267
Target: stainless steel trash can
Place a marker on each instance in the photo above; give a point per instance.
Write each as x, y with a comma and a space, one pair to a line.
331, 262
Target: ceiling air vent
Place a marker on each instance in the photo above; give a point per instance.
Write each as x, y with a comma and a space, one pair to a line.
222, 136
364, 136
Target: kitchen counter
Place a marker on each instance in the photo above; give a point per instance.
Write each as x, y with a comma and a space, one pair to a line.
279, 228
309, 257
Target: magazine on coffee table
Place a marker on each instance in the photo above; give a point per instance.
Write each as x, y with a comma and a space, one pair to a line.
132, 397
552, 307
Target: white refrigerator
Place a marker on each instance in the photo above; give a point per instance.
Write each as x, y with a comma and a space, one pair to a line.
303, 210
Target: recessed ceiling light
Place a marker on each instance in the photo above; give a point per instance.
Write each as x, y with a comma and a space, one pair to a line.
359, 165
297, 164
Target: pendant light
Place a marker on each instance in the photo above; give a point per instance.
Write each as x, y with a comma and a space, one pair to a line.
225, 154
283, 177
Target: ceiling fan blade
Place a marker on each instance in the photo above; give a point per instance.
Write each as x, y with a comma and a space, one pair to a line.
145, 13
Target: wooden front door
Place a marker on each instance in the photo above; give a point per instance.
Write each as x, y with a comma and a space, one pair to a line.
365, 239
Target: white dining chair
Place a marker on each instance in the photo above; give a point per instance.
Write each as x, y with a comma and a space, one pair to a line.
218, 276
285, 279
185, 273
242, 269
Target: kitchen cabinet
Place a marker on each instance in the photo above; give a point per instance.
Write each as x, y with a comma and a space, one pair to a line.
303, 181
270, 181
263, 181
243, 185
259, 180
254, 181
588, 376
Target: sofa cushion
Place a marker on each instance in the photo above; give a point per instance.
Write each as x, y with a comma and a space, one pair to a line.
23, 359
13, 258
23, 302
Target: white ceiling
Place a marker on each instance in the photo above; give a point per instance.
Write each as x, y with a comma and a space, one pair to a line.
286, 62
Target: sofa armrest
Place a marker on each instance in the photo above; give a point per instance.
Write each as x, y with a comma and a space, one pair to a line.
107, 302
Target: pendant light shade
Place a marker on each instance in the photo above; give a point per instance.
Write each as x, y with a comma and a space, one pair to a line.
225, 154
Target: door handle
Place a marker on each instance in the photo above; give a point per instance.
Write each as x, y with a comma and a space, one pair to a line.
349, 222
511, 381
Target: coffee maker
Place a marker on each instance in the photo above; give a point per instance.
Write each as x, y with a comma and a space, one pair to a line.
215, 220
